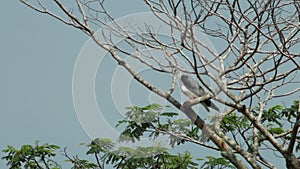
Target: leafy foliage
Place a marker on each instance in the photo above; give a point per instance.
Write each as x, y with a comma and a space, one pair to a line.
148, 157
232, 122
277, 120
100, 146
123, 157
38, 156
81, 163
150, 121
138, 122
214, 162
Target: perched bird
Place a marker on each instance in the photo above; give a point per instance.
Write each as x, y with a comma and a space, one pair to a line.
191, 88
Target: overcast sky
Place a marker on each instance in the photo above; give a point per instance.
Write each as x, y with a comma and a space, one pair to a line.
38, 55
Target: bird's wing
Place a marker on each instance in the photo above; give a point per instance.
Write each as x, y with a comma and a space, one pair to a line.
192, 85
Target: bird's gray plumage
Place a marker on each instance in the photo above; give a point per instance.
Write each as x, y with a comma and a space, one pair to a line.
192, 89
192, 86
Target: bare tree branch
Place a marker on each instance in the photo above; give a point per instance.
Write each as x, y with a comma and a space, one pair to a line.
253, 59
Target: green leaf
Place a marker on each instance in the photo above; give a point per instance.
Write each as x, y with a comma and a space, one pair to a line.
276, 130
100, 145
154, 106
121, 122
169, 114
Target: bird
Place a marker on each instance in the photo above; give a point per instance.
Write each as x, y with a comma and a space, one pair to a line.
191, 88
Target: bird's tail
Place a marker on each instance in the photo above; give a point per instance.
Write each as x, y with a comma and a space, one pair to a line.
211, 105
205, 106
